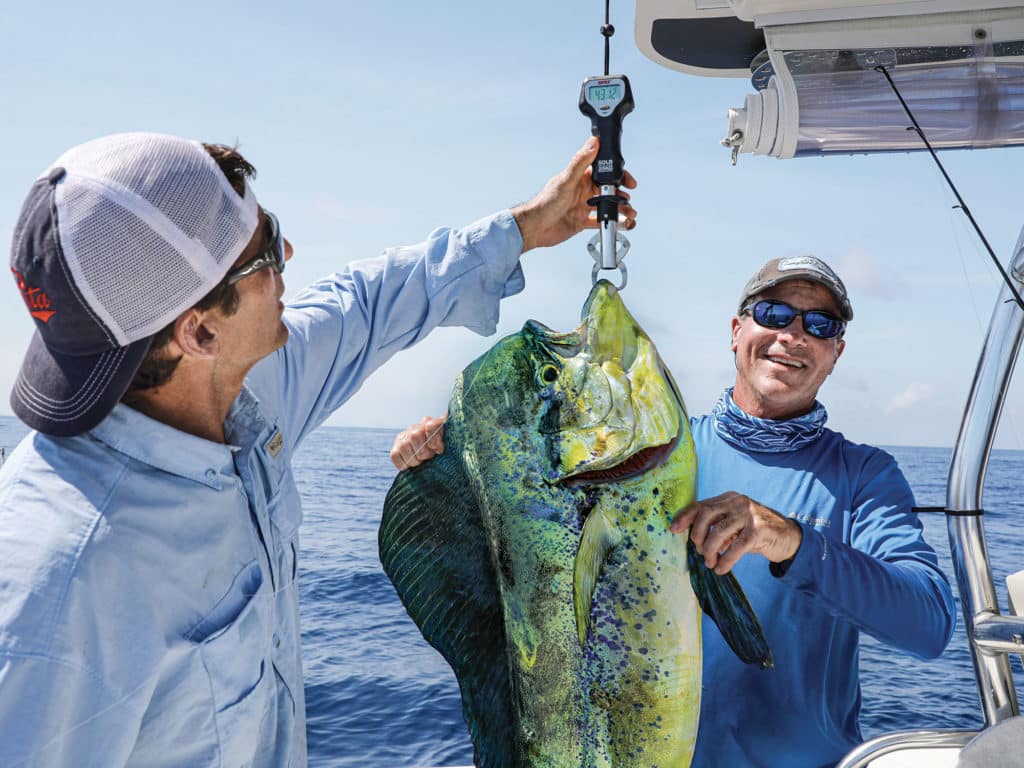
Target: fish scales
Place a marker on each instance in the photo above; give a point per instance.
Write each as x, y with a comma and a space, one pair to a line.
541, 564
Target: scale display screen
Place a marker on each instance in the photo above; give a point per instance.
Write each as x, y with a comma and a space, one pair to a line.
598, 94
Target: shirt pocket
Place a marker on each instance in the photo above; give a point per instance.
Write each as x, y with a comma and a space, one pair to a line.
237, 660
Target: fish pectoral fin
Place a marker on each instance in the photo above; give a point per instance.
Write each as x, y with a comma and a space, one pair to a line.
600, 536
722, 598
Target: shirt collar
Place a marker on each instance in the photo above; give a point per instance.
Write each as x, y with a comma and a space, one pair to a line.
161, 446
245, 421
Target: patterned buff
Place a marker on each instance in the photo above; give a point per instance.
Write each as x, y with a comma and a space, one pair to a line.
750, 433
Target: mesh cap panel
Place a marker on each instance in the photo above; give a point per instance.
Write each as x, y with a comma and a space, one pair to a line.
149, 224
133, 295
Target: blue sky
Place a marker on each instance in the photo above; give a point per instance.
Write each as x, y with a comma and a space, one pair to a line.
373, 123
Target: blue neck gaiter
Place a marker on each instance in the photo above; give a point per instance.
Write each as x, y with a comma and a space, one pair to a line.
750, 433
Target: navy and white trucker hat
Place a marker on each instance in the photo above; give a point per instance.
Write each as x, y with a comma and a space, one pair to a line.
115, 240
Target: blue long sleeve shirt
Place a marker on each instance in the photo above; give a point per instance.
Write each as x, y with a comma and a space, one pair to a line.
862, 566
148, 604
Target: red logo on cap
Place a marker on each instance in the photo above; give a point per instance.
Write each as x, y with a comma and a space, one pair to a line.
36, 300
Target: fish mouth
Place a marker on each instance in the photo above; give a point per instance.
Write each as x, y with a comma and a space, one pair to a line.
637, 464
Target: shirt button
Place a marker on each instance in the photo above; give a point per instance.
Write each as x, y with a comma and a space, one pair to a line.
277, 641
211, 473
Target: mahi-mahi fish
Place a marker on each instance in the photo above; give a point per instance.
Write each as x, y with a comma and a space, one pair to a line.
535, 555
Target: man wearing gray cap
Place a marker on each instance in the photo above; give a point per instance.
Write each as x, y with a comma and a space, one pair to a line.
149, 526
841, 551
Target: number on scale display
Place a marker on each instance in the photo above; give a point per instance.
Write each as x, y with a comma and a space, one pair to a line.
605, 93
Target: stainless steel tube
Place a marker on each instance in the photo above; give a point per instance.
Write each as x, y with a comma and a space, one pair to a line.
901, 741
964, 494
609, 230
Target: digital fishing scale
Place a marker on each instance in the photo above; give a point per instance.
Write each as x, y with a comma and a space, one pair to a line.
606, 100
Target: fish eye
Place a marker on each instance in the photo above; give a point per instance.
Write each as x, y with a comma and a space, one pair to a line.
548, 374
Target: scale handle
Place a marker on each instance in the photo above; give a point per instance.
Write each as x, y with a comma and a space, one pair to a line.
608, 166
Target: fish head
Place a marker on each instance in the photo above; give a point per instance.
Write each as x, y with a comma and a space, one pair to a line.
596, 403
621, 412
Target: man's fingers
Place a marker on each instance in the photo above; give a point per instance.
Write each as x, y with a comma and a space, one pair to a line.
395, 454
583, 158
435, 443
724, 535
410, 455
627, 216
707, 516
729, 558
402, 455
404, 450
732, 554
396, 459
435, 433
419, 442
683, 520
628, 180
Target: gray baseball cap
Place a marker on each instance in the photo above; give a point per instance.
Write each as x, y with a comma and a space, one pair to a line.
797, 268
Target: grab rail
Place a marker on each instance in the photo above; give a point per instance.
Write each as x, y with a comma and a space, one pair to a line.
902, 740
992, 636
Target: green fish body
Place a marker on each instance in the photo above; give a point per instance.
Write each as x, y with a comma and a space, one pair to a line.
535, 553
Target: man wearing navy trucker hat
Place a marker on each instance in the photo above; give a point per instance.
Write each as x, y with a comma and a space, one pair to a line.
148, 526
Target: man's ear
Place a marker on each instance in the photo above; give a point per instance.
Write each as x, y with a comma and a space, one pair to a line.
195, 335
735, 332
840, 346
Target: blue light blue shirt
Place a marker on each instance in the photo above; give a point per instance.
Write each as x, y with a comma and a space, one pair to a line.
148, 604
863, 566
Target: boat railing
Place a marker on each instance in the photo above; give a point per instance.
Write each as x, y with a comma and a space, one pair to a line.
992, 635
903, 740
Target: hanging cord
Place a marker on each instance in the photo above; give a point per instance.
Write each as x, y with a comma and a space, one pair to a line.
607, 30
963, 206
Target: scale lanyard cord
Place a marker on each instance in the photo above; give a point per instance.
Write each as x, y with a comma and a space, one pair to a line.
962, 205
607, 30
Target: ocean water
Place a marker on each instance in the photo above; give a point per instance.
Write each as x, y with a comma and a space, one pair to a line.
378, 696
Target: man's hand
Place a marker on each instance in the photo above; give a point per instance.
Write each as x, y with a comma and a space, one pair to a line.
560, 210
419, 442
726, 527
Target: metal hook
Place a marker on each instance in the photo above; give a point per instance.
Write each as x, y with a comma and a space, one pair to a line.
734, 141
621, 249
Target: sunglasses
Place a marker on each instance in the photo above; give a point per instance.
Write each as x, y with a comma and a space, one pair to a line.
271, 256
779, 314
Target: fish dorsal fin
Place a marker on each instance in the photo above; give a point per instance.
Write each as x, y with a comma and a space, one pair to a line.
722, 598
600, 536
433, 548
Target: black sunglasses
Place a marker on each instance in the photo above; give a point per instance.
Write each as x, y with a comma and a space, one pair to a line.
271, 256
779, 314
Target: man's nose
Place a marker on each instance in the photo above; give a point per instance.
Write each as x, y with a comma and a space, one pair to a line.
795, 329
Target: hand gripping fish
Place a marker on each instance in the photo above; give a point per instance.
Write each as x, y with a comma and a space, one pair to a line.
535, 554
